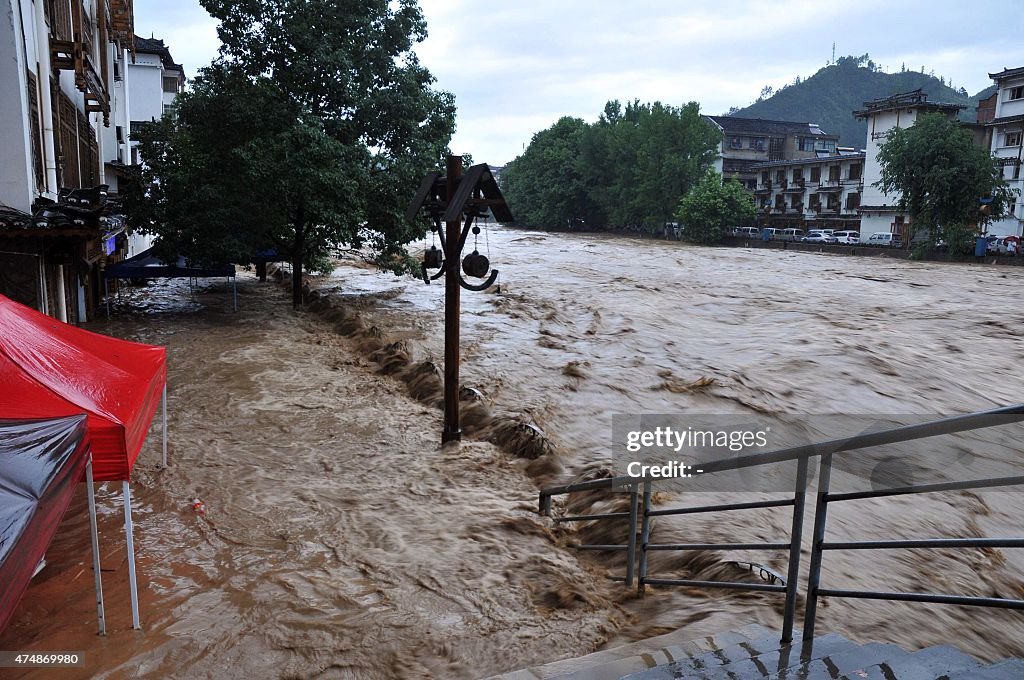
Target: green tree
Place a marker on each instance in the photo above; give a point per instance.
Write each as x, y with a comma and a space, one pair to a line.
941, 175
309, 131
711, 207
544, 183
628, 169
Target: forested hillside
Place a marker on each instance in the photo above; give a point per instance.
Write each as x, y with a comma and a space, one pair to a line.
830, 96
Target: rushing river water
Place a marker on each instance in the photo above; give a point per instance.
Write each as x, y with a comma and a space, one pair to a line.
340, 540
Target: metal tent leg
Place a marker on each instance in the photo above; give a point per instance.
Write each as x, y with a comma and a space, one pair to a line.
130, 538
163, 406
100, 614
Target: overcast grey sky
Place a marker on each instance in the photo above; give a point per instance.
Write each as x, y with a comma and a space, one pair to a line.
516, 67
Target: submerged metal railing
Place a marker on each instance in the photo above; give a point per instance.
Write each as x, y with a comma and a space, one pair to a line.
637, 546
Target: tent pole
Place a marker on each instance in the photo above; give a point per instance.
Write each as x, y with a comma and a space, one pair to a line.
130, 538
163, 403
95, 548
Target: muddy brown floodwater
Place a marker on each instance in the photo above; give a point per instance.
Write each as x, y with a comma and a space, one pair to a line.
340, 540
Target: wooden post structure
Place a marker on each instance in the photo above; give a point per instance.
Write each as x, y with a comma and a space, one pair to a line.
452, 203
452, 308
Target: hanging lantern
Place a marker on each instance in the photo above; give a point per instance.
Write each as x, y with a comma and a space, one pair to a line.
476, 265
432, 258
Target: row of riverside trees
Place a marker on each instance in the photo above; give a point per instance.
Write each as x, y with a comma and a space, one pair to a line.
628, 170
639, 168
310, 130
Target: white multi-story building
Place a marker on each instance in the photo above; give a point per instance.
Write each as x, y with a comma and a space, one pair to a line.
880, 211
1007, 128
58, 61
145, 88
822, 192
154, 82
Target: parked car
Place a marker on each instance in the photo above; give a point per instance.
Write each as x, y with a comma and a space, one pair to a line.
818, 237
886, 239
748, 232
771, 234
791, 234
847, 237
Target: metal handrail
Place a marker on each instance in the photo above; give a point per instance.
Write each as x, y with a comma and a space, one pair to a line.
801, 454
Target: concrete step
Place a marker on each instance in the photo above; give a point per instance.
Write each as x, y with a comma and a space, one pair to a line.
748, 663
619, 661
843, 663
927, 664
1010, 669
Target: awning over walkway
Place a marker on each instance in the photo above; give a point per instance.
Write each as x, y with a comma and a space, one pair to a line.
146, 265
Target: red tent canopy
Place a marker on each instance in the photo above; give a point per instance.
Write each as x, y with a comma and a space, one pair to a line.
49, 369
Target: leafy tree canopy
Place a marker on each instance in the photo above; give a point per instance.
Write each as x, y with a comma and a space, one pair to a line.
628, 169
712, 207
310, 130
941, 175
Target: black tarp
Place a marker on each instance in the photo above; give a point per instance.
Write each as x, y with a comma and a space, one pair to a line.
146, 265
40, 463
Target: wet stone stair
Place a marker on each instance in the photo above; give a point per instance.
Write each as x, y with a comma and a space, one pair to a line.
754, 652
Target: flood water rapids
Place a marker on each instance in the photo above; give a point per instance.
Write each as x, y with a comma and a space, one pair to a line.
341, 540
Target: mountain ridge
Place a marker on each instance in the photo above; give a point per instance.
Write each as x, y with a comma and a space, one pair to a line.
831, 95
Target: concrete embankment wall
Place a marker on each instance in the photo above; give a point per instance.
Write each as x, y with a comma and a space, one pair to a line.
867, 251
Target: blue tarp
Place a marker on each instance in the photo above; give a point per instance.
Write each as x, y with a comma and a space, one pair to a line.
146, 265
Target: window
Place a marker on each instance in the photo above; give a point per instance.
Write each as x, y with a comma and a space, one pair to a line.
1017, 92
833, 173
780, 175
169, 110
798, 174
1011, 138
764, 178
855, 171
815, 173
1016, 171
779, 202
736, 143
826, 145
757, 143
170, 84
815, 202
852, 201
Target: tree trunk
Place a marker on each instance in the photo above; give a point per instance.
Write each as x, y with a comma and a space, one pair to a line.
298, 252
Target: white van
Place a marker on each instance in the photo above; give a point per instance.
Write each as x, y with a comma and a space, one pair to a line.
847, 237
885, 238
748, 232
772, 233
792, 234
